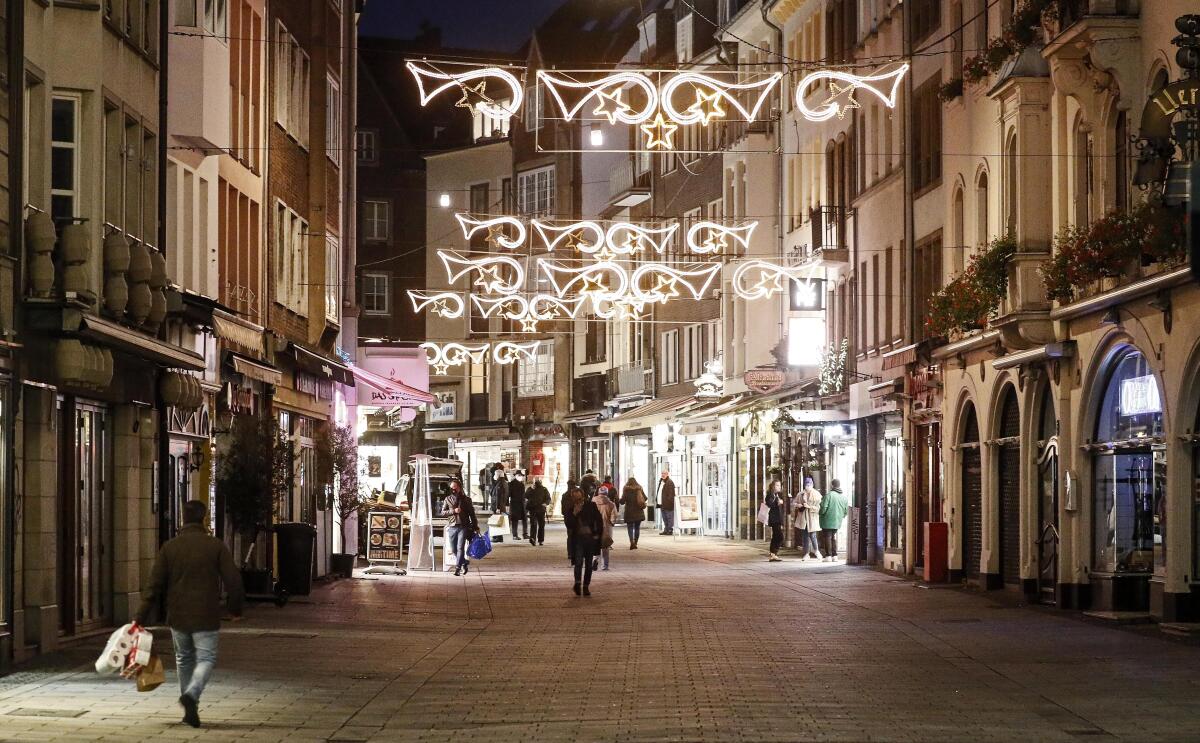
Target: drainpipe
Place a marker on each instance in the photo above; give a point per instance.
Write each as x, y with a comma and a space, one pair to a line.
16, 165
165, 503
914, 316
779, 152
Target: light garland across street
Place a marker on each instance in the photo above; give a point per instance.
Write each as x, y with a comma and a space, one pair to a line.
473, 86
842, 85
443, 356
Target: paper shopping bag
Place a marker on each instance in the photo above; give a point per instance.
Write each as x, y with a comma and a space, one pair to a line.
152, 674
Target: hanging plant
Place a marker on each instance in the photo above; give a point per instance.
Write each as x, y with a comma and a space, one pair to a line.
971, 298
833, 370
950, 90
1020, 32
1111, 247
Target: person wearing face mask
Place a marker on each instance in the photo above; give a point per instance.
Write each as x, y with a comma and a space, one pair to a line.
808, 520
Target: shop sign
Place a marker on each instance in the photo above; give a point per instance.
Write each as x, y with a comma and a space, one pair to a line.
763, 380
701, 428
1164, 105
385, 536
548, 431
537, 460
1139, 396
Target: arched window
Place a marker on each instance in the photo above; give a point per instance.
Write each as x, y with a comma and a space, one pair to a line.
981, 209
957, 237
1008, 504
1084, 173
1121, 192
1047, 533
1129, 469
1010, 185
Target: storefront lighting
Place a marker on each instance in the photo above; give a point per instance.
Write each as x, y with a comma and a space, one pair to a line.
444, 201
596, 136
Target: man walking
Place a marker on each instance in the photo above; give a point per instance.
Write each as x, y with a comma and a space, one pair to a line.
187, 577
516, 507
537, 500
833, 511
666, 502
498, 498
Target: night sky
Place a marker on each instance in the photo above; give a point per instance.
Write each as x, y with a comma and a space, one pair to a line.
499, 25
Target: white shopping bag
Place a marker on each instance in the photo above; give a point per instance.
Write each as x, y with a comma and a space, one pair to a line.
129, 645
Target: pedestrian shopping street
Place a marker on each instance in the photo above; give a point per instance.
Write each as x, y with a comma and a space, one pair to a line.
684, 639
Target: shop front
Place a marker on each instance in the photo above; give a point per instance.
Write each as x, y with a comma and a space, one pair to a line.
756, 452
548, 456
707, 444
479, 451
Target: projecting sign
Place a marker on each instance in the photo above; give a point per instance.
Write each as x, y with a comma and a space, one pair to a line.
763, 379
808, 295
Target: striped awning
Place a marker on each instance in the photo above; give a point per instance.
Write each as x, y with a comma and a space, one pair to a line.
385, 392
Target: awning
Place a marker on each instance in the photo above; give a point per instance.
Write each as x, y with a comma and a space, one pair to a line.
713, 410
900, 357
139, 344
251, 369
320, 366
644, 416
883, 389
240, 333
755, 401
384, 392
1035, 355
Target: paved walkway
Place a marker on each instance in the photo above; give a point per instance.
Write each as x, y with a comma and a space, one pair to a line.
684, 639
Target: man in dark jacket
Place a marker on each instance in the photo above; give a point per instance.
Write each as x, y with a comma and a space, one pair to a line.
516, 506
499, 495
666, 502
537, 500
586, 530
588, 483
187, 576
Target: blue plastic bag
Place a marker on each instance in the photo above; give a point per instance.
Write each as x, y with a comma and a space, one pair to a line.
480, 546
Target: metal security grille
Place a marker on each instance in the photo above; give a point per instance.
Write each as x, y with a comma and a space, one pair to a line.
972, 493
1009, 502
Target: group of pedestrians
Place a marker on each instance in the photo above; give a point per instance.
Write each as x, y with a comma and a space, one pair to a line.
589, 511
816, 518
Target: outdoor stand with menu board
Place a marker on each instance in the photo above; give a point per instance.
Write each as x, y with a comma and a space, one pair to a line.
385, 542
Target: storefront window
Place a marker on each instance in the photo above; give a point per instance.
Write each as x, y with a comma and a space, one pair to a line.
893, 485
1129, 475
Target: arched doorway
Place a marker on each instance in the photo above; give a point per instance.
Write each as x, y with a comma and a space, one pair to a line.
972, 494
1008, 502
1047, 484
1128, 484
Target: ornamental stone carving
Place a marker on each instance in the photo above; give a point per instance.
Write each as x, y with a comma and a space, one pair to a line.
158, 286
140, 299
116, 264
39, 230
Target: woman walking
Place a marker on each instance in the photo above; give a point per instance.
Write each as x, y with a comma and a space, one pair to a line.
572, 499
608, 512
633, 498
462, 525
808, 520
586, 531
774, 502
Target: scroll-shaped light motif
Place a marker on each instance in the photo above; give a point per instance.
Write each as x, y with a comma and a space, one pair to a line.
549, 307
588, 281
585, 236
506, 352
608, 93
711, 237
623, 309
489, 271
473, 84
770, 278
711, 94
495, 227
443, 304
624, 238
511, 306
666, 281
443, 356
842, 85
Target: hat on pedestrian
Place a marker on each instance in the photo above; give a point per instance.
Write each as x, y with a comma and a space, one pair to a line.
808, 481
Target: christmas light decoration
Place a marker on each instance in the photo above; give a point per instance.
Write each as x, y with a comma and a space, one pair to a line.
511, 307
885, 86
659, 134
711, 237
624, 238
506, 352
771, 278
667, 276
609, 94
443, 356
707, 105
489, 271
547, 307
474, 96
444, 304
574, 235
495, 227
590, 279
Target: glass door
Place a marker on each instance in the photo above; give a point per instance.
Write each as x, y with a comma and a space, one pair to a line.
85, 517
1048, 522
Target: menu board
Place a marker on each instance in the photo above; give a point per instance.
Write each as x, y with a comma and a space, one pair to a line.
687, 511
385, 536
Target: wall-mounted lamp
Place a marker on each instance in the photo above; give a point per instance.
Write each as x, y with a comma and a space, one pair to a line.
444, 200
596, 136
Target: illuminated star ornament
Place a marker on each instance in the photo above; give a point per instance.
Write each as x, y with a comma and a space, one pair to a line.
707, 106
660, 133
432, 82
490, 280
473, 97
611, 106
838, 91
770, 279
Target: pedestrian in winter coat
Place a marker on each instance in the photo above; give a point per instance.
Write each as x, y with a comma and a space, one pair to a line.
666, 502
589, 483
633, 498
808, 520
774, 501
461, 526
188, 575
569, 505
608, 510
537, 500
498, 500
516, 508
833, 510
586, 531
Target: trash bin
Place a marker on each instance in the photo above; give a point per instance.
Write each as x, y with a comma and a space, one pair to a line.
297, 547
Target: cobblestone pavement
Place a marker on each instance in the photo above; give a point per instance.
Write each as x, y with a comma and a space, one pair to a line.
683, 639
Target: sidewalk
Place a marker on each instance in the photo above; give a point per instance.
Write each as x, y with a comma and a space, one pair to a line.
684, 639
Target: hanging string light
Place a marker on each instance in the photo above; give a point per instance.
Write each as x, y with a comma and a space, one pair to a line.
842, 86
771, 278
476, 96
710, 237
496, 230
444, 304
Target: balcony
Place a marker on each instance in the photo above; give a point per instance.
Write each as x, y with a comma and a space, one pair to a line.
589, 392
826, 236
626, 187
631, 380
1073, 11
200, 92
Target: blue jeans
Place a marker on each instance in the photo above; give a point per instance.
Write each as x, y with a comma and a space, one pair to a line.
668, 520
808, 543
457, 537
195, 659
635, 530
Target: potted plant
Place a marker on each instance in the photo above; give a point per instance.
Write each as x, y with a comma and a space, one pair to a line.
349, 495
252, 477
971, 298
